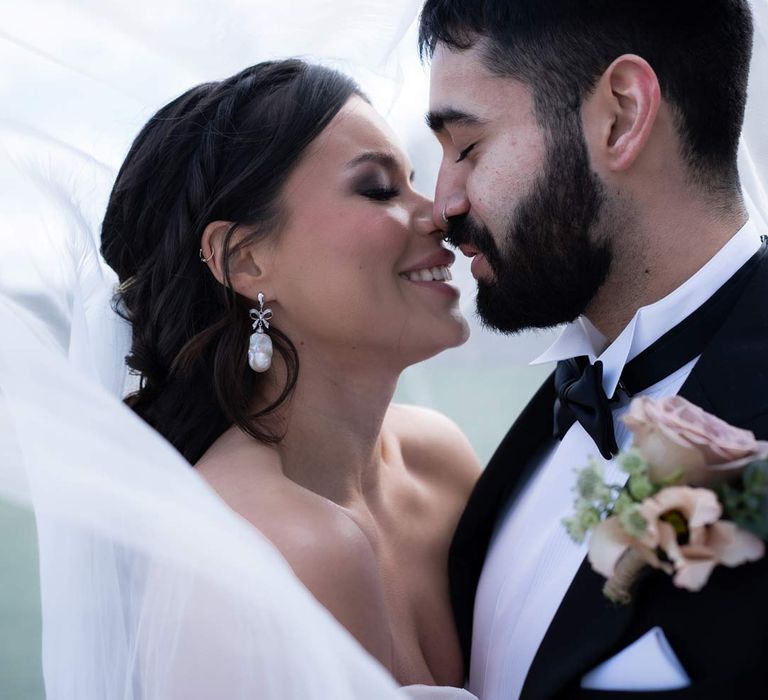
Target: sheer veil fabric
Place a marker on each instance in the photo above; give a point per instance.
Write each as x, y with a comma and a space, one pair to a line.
151, 587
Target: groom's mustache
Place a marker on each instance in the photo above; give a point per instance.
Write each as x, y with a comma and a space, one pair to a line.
462, 230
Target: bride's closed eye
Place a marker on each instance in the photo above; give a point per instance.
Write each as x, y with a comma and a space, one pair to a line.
381, 175
381, 194
377, 189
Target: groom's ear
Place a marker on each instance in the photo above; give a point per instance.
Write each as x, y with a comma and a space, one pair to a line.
621, 112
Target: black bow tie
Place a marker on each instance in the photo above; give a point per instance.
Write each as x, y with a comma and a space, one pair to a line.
580, 397
579, 385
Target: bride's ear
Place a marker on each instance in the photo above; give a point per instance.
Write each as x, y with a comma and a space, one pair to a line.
248, 265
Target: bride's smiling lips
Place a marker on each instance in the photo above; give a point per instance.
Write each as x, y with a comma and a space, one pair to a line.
432, 272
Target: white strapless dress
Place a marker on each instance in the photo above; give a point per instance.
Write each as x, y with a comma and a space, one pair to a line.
428, 692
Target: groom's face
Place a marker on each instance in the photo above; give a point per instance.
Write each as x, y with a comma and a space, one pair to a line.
520, 198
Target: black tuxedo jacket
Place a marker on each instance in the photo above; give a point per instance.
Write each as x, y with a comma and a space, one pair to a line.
720, 634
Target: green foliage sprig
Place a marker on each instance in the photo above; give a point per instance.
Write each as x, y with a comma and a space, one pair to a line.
745, 502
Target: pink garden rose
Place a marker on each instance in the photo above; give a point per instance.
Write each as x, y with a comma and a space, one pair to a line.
674, 435
710, 541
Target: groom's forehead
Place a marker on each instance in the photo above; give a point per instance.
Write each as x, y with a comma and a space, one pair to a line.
464, 91
450, 65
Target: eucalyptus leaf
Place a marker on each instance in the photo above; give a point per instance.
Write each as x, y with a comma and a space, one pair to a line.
747, 503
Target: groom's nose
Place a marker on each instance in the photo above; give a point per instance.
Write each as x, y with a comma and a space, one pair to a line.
450, 198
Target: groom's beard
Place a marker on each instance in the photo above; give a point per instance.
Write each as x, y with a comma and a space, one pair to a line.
553, 259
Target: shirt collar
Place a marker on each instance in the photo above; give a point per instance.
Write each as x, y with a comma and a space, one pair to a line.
581, 338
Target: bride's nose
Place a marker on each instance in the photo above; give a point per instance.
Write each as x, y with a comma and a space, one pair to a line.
423, 222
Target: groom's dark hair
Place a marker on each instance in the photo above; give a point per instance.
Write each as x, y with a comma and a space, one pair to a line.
699, 49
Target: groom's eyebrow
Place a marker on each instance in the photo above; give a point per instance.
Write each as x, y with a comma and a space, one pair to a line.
438, 119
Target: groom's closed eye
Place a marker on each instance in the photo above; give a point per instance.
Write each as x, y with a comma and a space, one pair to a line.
463, 154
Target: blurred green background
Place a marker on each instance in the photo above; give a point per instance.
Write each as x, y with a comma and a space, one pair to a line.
20, 671
484, 409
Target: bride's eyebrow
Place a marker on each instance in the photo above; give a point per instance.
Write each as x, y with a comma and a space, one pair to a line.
386, 160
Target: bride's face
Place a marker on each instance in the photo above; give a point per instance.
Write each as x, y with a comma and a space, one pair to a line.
358, 265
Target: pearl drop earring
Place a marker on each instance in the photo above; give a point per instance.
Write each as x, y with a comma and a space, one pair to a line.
260, 345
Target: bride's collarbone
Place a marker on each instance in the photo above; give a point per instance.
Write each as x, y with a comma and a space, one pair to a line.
411, 559
399, 551
377, 565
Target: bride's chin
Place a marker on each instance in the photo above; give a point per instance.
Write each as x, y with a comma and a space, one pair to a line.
455, 333
462, 336
465, 332
460, 327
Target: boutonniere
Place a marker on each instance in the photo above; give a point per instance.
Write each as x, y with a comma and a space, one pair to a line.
696, 497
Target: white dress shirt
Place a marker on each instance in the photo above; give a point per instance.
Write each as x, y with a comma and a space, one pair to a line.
531, 561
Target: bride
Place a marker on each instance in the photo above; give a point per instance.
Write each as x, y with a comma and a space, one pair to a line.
277, 206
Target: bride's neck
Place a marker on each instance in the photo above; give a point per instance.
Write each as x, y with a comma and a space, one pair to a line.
333, 439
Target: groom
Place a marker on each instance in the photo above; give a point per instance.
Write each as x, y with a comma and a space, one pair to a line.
589, 170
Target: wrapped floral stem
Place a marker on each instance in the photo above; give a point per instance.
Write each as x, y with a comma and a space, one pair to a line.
629, 566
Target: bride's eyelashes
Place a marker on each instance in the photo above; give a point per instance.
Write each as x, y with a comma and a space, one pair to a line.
380, 184
382, 194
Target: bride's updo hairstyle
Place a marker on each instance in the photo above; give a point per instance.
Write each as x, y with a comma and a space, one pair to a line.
220, 152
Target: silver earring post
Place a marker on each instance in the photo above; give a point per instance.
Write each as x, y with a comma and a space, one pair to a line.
260, 344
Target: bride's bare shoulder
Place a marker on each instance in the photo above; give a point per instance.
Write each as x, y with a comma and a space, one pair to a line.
248, 476
327, 550
433, 445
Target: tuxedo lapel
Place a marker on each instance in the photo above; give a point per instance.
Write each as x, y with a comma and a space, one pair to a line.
586, 628
730, 380
507, 471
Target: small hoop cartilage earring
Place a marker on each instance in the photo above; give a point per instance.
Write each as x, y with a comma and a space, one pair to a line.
260, 344
445, 218
209, 258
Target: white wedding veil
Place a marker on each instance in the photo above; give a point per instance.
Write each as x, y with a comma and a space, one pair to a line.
151, 587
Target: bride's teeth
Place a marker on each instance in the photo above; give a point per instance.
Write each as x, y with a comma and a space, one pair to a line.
436, 274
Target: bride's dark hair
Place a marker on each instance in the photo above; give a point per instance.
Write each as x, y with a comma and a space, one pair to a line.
220, 152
